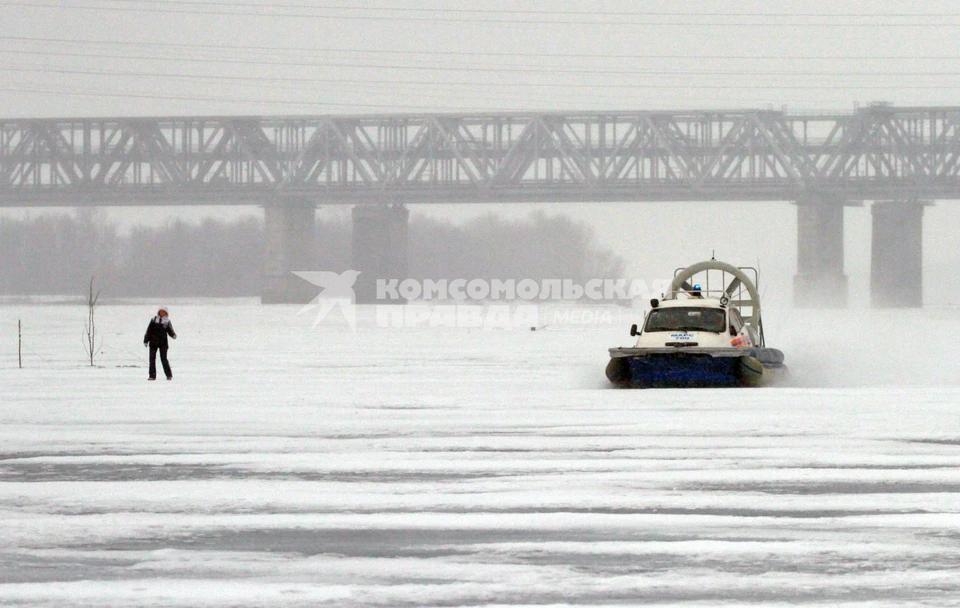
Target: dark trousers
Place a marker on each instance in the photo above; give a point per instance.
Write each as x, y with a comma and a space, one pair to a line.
163, 360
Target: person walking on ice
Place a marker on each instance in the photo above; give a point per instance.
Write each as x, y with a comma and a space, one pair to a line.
156, 338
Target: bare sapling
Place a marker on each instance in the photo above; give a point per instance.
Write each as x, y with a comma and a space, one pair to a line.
92, 342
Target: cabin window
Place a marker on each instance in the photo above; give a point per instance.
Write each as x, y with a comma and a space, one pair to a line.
687, 319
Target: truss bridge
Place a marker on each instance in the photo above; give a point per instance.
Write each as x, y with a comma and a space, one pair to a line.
900, 158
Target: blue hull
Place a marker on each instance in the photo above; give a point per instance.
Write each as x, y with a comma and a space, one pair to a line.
671, 371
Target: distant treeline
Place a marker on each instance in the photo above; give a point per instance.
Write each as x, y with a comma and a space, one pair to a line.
57, 254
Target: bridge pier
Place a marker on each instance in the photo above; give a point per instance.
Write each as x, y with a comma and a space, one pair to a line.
289, 245
820, 281
379, 248
896, 255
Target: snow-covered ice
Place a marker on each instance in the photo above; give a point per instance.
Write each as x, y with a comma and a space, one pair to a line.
288, 465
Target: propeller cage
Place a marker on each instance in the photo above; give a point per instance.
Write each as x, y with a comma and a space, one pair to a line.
737, 288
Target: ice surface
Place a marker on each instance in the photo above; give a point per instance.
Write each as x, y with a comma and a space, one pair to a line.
295, 466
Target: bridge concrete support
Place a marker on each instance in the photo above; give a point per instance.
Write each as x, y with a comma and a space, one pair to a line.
379, 249
290, 244
820, 281
896, 264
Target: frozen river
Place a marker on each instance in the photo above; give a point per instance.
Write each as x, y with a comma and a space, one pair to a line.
295, 466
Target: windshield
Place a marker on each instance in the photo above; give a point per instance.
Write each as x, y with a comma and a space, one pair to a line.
686, 319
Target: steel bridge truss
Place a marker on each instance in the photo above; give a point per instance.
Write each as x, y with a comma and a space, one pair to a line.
875, 153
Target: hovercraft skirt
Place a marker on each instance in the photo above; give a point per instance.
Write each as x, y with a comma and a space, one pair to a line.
684, 370
660, 369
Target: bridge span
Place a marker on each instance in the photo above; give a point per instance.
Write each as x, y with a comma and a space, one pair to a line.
899, 158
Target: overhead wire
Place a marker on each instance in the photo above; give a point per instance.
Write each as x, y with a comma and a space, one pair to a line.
307, 80
367, 86
539, 70
499, 54
218, 99
535, 77
512, 11
230, 10
805, 87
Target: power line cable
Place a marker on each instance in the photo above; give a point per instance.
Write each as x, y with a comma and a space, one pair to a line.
303, 80
508, 11
431, 53
435, 68
396, 107
145, 8
370, 86
222, 100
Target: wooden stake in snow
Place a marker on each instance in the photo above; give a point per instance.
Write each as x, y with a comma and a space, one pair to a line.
19, 344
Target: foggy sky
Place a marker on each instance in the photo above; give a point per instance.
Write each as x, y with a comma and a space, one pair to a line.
175, 57
213, 57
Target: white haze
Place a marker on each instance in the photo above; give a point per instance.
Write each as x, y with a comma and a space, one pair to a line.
295, 58
861, 348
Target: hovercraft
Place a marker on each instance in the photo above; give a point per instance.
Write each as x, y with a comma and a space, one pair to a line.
695, 336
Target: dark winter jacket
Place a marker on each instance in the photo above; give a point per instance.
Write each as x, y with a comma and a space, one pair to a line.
158, 330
